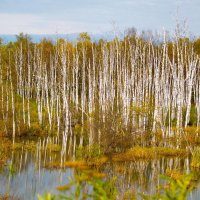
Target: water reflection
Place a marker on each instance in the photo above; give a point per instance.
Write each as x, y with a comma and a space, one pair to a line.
25, 175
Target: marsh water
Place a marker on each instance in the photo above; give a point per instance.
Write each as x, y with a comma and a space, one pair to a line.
25, 174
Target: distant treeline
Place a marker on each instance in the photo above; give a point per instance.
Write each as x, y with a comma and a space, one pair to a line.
122, 85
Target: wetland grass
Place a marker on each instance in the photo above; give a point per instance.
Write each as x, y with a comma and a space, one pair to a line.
196, 158
148, 153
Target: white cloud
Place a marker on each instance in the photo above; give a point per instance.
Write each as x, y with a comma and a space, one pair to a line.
63, 16
40, 24
15, 23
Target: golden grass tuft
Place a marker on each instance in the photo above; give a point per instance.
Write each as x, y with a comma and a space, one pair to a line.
97, 162
148, 153
69, 164
76, 164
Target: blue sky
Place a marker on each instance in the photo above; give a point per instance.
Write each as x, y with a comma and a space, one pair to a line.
97, 16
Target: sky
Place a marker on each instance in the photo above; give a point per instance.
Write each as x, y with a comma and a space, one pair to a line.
96, 16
